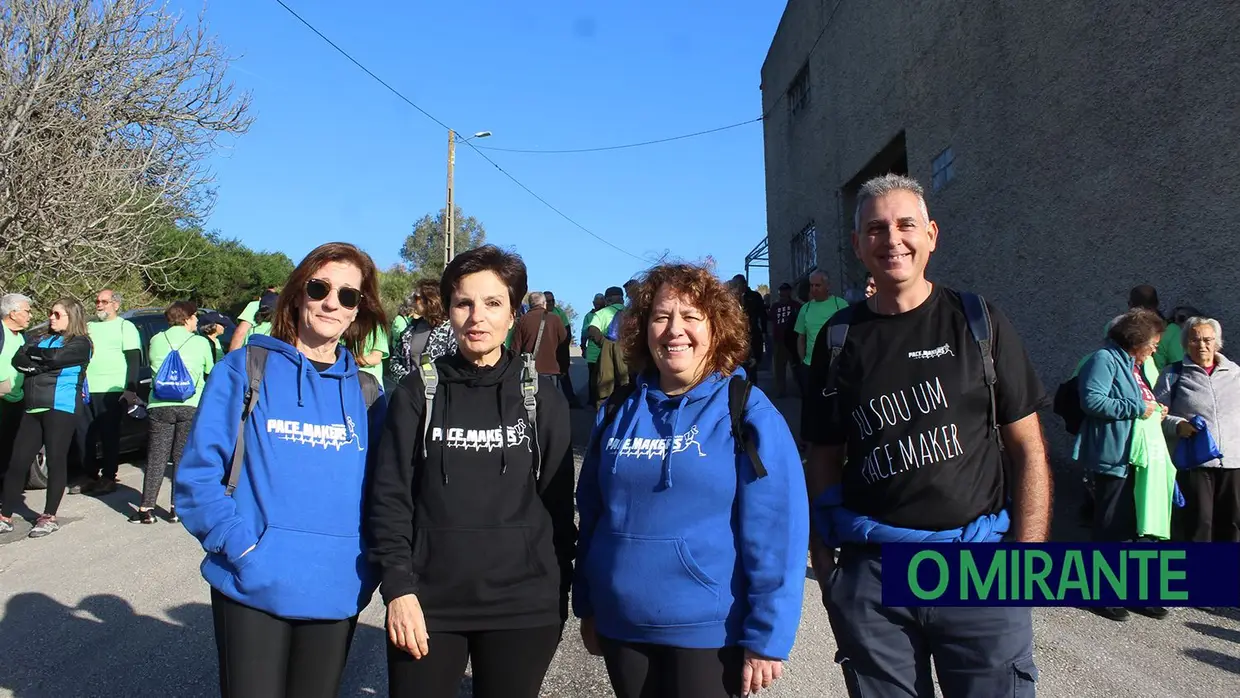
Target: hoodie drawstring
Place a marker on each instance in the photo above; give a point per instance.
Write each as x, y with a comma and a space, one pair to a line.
303, 375
667, 453
443, 451
503, 429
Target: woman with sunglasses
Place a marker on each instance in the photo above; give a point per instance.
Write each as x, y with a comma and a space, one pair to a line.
54, 368
470, 506
285, 559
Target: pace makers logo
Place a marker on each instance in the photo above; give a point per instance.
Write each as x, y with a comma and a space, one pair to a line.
324, 436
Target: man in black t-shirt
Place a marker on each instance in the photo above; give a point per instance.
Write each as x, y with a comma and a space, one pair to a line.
903, 439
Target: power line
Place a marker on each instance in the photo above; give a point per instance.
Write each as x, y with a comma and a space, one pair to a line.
430, 116
669, 139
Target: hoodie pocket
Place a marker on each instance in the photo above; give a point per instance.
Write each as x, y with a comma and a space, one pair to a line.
304, 574
652, 582
474, 566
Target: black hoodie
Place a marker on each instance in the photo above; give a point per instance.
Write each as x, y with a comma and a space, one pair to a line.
464, 522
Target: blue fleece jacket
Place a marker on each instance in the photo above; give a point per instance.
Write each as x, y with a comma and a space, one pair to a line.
836, 525
299, 498
1111, 401
681, 544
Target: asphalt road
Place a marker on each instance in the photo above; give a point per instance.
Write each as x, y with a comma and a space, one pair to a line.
108, 608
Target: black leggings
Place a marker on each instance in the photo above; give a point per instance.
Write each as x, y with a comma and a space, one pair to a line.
262, 656
53, 431
505, 663
657, 671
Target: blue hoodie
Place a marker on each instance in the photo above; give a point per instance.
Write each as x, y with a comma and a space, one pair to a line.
680, 543
299, 498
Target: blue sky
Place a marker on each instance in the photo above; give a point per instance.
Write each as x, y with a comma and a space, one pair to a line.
333, 155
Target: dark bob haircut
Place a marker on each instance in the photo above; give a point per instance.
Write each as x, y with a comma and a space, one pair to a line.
1136, 328
509, 267
729, 330
180, 312
370, 313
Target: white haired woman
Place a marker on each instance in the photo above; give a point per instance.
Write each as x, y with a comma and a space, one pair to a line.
1205, 384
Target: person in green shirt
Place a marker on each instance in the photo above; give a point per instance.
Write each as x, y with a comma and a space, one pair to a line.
815, 314
608, 374
590, 350
1170, 347
246, 321
112, 379
14, 317
377, 349
169, 421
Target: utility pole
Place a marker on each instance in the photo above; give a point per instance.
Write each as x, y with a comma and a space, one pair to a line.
449, 222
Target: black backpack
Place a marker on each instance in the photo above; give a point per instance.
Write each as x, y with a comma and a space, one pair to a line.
738, 396
975, 313
255, 368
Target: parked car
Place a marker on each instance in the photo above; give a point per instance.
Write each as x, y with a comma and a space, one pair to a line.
150, 322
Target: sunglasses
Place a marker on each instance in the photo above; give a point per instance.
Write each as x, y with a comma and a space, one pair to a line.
55, 315
319, 289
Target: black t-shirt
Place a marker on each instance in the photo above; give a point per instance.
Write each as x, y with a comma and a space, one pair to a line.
913, 408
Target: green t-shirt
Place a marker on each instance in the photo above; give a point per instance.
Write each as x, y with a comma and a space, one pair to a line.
812, 317
591, 350
195, 352
399, 325
1170, 347
602, 319
564, 319
12, 342
111, 339
247, 315
378, 342
260, 328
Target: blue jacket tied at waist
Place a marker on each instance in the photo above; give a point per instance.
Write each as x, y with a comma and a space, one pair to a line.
837, 525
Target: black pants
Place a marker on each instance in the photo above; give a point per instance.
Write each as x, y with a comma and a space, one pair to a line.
592, 383
1211, 512
262, 656
641, 670
1115, 509
168, 430
10, 419
505, 663
50, 430
105, 412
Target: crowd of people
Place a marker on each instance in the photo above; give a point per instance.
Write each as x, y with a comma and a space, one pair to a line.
334, 453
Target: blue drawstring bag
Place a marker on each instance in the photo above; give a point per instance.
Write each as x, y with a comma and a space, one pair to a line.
1196, 449
173, 383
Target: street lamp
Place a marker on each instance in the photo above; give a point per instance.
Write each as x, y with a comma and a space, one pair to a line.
449, 224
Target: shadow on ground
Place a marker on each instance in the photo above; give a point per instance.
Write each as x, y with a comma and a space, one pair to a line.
102, 647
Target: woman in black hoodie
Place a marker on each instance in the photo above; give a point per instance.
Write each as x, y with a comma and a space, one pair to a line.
470, 505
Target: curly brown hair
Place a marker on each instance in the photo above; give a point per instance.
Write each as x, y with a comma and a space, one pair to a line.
729, 328
1136, 328
433, 311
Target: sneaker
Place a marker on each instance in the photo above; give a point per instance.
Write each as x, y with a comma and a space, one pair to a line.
6, 526
172, 516
101, 487
141, 516
1112, 613
45, 526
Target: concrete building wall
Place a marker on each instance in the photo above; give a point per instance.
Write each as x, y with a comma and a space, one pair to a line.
1096, 147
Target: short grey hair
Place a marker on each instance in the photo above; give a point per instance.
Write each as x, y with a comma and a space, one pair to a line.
537, 299
882, 186
1192, 322
820, 274
117, 297
11, 302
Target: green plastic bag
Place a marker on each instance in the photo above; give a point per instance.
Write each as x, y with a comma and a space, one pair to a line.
1153, 476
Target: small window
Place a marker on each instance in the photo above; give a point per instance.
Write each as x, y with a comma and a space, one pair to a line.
798, 91
944, 169
805, 250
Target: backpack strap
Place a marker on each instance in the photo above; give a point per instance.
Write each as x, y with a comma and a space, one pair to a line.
370, 387
430, 384
542, 325
529, 399
837, 333
611, 408
978, 317
738, 397
255, 367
